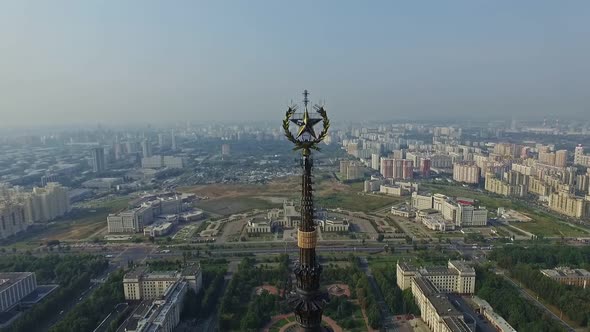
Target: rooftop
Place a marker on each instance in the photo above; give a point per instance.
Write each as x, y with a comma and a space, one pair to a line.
425, 286
443, 306
8, 279
560, 272
456, 324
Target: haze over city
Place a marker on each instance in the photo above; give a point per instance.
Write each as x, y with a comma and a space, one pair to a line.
307, 166
80, 62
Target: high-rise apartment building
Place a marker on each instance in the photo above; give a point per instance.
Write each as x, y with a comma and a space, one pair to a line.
568, 204
425, 167
173, 141
12, 219
161, 141
19, 210
146, 148
47, 203
466, 172
500, 187
225, 150
561, 158
398, 168
98, 160
580, 158
375, 161
387, 167
407, 169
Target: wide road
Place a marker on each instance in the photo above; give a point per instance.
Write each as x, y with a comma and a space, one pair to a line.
77, 300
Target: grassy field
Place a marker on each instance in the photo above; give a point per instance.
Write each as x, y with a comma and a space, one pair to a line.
543, 223
225, 199
353, 201
232, 205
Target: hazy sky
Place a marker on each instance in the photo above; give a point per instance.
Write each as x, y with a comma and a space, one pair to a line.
155, 61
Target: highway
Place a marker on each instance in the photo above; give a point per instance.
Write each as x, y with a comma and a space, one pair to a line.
78, 299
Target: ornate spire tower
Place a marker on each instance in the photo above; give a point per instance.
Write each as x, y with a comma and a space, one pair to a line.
309, 301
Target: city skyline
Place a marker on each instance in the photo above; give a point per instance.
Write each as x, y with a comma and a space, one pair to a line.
75, 63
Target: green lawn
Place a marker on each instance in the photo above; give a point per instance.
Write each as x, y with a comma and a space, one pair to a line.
231, 205
354, 202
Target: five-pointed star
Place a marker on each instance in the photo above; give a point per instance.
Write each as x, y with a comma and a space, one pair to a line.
306, 125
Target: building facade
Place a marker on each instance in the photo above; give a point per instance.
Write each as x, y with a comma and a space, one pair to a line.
569, 276
14, 286
457, 277
466, 172
139, 284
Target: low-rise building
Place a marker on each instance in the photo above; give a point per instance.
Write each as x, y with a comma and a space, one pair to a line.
436, 310
399, 188
139, 284
484, 308
259, 225
403, 211
334, 225
569, 276
457, 277
131, 221
158, 230
160, 315
422, 202
14, 286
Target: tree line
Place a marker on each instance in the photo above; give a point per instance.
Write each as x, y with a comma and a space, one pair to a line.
71, 272
238, 309
506, 301
398, 302
87, 315
524, 263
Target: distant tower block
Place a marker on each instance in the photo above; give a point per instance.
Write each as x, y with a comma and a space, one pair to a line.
173, 142
225, 150
146, 148
98, 160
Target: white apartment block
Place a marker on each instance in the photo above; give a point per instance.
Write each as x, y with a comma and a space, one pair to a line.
12, 219
19, 209
466, 172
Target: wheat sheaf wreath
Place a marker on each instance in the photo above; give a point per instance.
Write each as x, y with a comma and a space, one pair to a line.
312, 144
